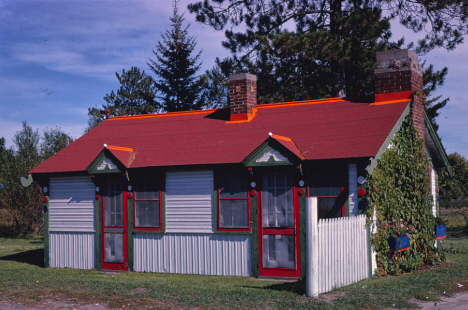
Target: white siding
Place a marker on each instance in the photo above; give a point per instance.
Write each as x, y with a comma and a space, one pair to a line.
71, 206
72, 250
189, 202
207, 254
353, 188
434, 192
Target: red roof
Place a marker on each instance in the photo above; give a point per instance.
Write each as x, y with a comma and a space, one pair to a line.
319, 129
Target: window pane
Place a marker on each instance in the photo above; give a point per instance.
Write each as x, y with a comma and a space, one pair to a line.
232, 184
234, 213
146, 188
113, 204
278, 200
278, 251
325, 181
113, 248
147, 213
329, 208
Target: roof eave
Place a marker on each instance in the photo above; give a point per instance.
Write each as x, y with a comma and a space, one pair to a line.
435, 145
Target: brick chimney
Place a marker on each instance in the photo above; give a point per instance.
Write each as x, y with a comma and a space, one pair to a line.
242, 96
399, 71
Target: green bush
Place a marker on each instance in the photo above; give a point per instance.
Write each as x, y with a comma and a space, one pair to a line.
399, 192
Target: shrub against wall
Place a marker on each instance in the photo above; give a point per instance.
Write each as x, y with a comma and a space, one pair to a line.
399, 192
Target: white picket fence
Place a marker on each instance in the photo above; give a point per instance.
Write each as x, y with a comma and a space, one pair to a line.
337, 251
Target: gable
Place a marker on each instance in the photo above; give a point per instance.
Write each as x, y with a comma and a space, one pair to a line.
272, 153
105, 162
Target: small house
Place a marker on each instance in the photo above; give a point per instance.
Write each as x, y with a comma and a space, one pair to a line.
223, 191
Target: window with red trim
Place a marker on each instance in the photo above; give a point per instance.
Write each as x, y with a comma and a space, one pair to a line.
147, 204
327, 184
233, 201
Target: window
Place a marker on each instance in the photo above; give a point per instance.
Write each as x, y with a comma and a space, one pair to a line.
147, 204
233, 201
326, 183
278, 200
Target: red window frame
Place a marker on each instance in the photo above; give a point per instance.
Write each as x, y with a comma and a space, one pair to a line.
219, 199
160, 228
342, 188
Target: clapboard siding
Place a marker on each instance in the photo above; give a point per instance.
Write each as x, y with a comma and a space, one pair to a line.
71, 206
72, 250
207, 254
189, 202
353, 188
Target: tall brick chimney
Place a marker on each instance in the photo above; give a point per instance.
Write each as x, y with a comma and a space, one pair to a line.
242, 96
399, 71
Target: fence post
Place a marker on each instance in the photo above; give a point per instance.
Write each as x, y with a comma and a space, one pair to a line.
312, 279
372, 229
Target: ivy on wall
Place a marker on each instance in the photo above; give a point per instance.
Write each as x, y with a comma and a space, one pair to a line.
399, 192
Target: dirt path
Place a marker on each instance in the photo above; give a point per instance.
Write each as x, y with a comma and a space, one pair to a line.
53, 305
458, 301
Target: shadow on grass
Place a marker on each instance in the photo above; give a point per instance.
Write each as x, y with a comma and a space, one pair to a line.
32, 257
297, 287
457, 232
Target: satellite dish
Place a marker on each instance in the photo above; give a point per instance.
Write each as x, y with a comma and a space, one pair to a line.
361, 180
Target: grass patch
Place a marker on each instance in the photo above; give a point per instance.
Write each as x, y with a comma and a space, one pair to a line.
24, 278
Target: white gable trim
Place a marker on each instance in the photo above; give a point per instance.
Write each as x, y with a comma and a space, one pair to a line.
271, 154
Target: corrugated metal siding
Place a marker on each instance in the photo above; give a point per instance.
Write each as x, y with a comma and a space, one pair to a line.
207, 254
189, 202
71, 206
353, 188
72, 250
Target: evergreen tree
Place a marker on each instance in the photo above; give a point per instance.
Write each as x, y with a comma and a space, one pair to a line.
135, 96
333, 42
175, 68
215, 84
431, 80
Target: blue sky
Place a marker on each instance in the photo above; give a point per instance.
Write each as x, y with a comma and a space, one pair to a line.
58, 58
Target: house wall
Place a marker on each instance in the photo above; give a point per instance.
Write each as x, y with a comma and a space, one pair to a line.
189, 202
72, 250
353, 188
190, 245
207, 254
71, 222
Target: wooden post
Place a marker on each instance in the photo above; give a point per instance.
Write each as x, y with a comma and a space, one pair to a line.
372, 229
312, 247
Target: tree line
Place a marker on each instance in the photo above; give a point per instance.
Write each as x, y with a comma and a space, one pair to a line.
298, 49
20, 207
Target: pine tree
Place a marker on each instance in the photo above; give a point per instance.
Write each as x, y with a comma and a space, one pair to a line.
135, 96
175, 67
333, 42
431, 80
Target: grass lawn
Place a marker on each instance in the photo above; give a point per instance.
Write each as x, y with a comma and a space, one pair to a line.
23, 278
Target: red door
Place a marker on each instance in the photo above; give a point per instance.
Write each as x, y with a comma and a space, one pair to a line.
279, 227
114, 237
